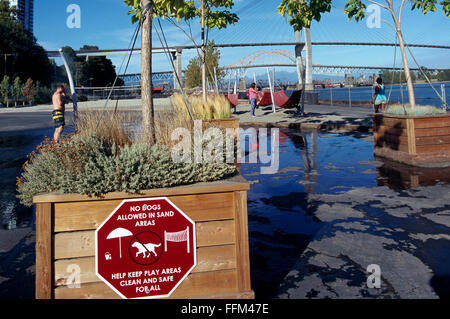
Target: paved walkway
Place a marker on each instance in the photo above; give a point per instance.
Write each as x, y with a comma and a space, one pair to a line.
325, 117
406, 233
328, 117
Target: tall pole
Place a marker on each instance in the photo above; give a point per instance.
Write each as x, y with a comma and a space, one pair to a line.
72, 87
300, 70
309, 66
203, 52
148, 112
271, 91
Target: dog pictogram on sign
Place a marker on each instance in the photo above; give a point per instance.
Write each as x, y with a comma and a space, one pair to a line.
150, 244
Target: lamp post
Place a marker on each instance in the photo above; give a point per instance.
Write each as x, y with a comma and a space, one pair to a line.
6, 60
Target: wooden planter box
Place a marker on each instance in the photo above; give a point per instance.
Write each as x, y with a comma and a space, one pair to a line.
65, 227
414, 140
225, 123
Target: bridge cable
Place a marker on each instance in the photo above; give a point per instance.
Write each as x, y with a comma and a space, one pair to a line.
426, 77
132, 45
393, 71
167, 53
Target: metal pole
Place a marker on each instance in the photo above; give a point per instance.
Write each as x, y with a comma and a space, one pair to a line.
215, 79
235, 82
271, 91
350, 96
331, 96
444, 97
72, 88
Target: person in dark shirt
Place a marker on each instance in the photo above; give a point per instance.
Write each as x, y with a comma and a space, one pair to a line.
379, 98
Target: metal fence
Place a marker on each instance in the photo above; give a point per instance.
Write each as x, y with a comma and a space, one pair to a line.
425, 95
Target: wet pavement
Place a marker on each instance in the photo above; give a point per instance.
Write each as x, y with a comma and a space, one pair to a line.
314, 226
333, 210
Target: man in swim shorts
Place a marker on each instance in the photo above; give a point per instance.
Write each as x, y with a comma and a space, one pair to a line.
59, 102
380, 96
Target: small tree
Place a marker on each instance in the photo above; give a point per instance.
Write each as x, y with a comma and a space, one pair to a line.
208, 12
17, 90
356, 9
29, 91
4, 90
194, 68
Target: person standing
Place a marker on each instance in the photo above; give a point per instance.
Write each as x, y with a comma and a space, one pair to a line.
59, 107
252, 95
379, 99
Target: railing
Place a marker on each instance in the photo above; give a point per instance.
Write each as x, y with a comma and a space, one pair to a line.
119, 93
425, 95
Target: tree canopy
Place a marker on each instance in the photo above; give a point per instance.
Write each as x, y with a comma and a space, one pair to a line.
215, 15
194, 73
302, 13
26, 59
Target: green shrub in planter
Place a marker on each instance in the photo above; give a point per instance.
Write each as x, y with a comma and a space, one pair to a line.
87, 165
419, 110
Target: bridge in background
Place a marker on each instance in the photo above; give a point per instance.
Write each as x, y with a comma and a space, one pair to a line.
269, 58
173, 49
260, 59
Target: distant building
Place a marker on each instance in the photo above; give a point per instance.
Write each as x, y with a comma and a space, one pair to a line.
26, 12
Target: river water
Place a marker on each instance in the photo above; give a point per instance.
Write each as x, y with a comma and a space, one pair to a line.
425, 95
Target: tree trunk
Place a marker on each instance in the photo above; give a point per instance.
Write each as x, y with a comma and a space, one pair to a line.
148, 121
300, 71
409, 82
203, 52
309, 64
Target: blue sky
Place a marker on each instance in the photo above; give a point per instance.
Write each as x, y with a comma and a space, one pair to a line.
105, 23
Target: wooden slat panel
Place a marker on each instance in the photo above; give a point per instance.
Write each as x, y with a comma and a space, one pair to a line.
208, 259
390, 122
232, 184
393, 139
242, 246
43, 251
381, 130
81, 243
195, 285
432, 148
433, 140
215, 258
432, 122
411, 136
206, 207
89, 215
207, 283
434, 131
82, 215
74, 244
394, 143
215, 233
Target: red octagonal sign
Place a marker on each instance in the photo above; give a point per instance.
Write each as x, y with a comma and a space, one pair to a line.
145, 248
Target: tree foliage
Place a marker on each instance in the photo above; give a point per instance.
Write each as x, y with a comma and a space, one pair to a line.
355, 9
194, 68
215, 16
28, 59
4, 89
302, 13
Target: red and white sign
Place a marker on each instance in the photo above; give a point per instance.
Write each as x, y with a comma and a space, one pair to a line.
145, 248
